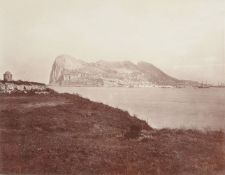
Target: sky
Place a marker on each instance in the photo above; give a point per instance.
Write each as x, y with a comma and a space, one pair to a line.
184, 38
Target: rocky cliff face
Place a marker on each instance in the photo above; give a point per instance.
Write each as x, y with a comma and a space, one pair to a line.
69, 71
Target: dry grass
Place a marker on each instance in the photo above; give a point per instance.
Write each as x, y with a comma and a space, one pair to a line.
78, 136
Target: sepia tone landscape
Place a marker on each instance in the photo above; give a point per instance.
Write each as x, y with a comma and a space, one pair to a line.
46, 132
98, 87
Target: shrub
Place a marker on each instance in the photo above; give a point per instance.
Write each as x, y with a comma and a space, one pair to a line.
133, 133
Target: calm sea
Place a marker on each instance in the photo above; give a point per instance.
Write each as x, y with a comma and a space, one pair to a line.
163, 107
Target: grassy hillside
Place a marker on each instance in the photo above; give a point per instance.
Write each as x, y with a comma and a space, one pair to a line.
67, 134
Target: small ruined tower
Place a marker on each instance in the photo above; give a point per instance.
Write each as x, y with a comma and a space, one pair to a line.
7, 76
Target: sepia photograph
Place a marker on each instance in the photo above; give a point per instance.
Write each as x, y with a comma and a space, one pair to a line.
112, 87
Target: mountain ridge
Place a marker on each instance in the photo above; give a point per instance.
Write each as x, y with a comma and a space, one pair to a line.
71, 71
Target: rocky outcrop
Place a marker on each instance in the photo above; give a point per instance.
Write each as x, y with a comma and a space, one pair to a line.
69, 71
22, 86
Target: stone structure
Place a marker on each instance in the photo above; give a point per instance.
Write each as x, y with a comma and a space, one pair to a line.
7, 76
8, 85
21, 86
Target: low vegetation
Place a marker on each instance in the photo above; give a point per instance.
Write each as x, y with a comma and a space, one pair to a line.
20, 82
68, 134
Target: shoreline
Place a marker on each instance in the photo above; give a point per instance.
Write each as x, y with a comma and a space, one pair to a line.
159, 105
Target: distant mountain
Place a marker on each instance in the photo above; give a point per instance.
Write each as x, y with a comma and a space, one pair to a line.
69, 71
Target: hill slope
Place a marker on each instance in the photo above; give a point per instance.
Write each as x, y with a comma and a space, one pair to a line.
67, 70
67, 134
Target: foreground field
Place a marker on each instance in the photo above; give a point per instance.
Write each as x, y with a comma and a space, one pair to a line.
67, 134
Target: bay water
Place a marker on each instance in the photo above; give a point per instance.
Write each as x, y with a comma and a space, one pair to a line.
189, 108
